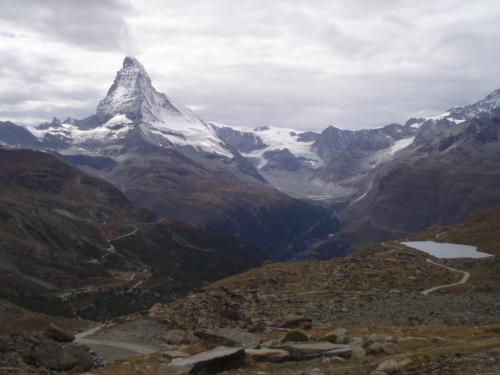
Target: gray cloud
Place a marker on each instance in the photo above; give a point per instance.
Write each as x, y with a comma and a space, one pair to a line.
356, 64
91, 24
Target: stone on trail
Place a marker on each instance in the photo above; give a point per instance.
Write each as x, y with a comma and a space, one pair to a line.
210, 362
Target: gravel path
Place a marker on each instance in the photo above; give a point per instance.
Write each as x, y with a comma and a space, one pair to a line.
111, 350
464, 279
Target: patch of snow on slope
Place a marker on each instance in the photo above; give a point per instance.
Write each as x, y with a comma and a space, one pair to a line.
279, 139
440, 116
401, 144
117, 126
454, 120
188, 130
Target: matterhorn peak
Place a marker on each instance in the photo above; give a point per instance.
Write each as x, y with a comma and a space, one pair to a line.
133, 95
132, 62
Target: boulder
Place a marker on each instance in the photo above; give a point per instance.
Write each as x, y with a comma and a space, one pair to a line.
59, 334
385, 347
358, 352
212, 361
337, 336
390, 348
388, 366
245, 339
317, 349
375, 348
356, 341
174, 337
228, 337
267, 355
376, 337
62, 357
211, 339
391, 365
293, 321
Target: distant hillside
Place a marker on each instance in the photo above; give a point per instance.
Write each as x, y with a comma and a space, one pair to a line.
66, 234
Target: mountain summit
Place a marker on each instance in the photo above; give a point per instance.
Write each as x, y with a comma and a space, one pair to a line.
132, 94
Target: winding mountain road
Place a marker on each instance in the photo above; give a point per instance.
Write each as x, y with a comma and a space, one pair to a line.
464, 279
125, 235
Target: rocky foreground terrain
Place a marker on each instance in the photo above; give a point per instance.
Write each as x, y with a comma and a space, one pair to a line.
386, 309
375, 312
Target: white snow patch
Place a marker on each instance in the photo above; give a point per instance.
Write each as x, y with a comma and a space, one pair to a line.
440, 116
400, 145
188, 130
279, 139
457, 122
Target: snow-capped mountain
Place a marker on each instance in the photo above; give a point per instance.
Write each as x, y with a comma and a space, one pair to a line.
489, 105
257, 143
303, 164
298, 162
133, 104
165, 158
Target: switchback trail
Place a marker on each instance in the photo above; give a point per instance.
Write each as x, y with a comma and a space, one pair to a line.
462, 281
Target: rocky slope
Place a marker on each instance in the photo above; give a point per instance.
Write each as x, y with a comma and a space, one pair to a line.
362, 314
66, 234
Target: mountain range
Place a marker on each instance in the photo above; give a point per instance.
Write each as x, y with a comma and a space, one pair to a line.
172, 244
293, 193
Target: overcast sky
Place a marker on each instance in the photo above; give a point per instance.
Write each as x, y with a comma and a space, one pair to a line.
304, 64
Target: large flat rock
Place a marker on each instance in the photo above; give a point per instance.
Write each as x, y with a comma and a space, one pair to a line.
210, 362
